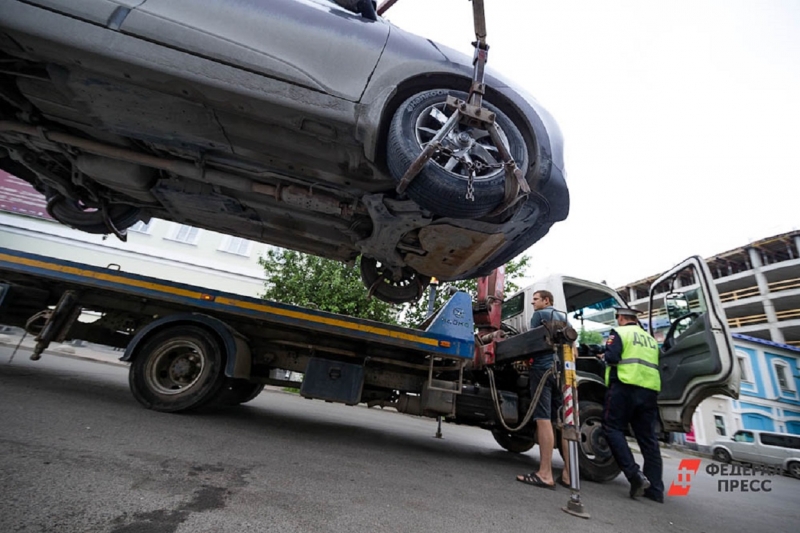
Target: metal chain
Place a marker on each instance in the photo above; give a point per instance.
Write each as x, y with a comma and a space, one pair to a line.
470, 186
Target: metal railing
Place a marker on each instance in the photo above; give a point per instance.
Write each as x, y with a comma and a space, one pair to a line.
762, 318
748, 292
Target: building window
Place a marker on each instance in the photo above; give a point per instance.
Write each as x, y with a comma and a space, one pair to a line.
744, 366
235, 245
719, 423
141, 227
186, 234
784, 376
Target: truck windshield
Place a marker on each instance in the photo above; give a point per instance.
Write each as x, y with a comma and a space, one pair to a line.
595, 319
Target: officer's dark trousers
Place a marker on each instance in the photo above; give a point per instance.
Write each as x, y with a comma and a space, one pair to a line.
637, 406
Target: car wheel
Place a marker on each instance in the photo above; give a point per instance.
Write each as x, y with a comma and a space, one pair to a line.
722, 455
90, 220
513, 443
794, 469
594, 454
178, 369
391, 286
441, 185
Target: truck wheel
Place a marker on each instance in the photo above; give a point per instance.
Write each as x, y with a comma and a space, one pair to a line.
237, 392
594, 455
722, 455
512, 443
441, 185
178, 369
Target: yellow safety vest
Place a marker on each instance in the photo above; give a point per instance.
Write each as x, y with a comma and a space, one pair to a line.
639, 362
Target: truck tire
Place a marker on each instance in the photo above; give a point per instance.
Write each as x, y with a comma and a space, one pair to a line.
594, 457
513, 443
236, 392
178, 369
441, 185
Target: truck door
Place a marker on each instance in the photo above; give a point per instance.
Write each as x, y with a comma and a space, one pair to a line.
697, 357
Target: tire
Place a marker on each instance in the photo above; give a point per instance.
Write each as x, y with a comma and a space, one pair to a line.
722, 455
71, 213
236, 392
177, 369
437, 189
382, 285
594, 457
513, 443
794, 469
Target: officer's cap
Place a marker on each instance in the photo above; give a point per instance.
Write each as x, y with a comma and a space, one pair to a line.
625, 311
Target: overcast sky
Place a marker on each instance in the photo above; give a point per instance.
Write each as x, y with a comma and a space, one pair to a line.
681, 120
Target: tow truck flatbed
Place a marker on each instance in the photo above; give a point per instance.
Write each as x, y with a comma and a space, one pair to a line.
106, 285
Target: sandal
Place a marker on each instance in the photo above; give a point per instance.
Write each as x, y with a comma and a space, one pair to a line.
533, 479
561, 482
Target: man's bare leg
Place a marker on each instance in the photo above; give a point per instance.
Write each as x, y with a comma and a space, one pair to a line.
544, 434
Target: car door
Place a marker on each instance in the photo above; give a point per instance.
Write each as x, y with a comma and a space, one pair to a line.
312, 44
697, 357
744, 447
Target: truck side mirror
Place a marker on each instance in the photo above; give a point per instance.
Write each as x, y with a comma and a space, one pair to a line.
677, 305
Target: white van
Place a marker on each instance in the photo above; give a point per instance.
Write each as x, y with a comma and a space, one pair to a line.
760, 447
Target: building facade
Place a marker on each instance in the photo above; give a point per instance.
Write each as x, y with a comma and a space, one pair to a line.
769, 397
161, 249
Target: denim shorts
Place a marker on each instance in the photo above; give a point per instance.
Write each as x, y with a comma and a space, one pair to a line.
551, 398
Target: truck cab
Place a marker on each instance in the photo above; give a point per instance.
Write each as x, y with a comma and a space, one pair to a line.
684, 314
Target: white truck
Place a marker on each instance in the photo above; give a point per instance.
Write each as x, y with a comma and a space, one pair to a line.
686, 317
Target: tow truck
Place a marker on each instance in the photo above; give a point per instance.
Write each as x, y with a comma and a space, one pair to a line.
190, 347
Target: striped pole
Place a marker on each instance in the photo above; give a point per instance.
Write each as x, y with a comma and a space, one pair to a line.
571, 423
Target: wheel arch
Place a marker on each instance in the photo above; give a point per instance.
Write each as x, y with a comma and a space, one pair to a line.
235, 346
591, 388
376, 150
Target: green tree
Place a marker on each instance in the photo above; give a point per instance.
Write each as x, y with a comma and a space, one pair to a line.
309, 281
418, 311
590, 337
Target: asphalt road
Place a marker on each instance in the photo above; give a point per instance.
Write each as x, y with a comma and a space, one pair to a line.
78, 454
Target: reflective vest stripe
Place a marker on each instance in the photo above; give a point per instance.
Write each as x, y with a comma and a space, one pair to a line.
639, 362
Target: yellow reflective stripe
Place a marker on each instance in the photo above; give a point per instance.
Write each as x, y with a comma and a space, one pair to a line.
101, 276
114, 278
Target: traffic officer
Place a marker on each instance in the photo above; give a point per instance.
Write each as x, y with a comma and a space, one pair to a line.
633, 382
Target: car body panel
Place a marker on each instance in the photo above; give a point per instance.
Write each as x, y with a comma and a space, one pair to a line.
96, 11
288, 41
